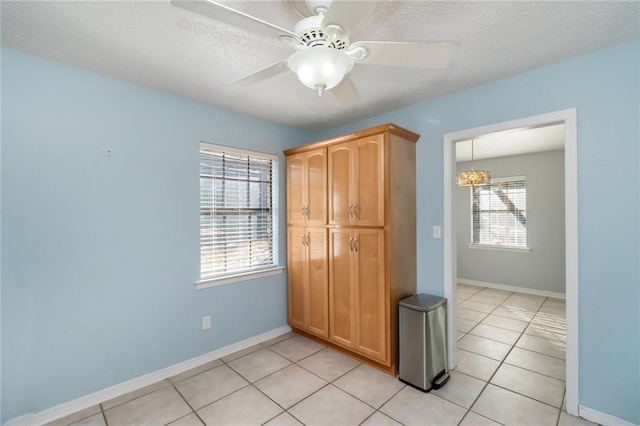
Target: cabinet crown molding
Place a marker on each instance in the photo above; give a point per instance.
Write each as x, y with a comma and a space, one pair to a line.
388, 128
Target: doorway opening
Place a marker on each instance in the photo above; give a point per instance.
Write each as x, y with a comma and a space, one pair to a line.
568, 119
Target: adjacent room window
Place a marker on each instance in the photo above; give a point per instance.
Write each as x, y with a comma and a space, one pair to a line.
499, 213
238, 204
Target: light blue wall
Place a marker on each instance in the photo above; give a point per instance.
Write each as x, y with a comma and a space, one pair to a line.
604, 87
100, 253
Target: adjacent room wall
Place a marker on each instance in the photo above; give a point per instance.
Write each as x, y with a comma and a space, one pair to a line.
100, 233
543, 268
604, 87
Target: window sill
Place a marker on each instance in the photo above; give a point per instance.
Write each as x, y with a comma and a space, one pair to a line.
500, 248
228, 279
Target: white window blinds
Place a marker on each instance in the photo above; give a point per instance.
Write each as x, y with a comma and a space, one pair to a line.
237, 216
499, 212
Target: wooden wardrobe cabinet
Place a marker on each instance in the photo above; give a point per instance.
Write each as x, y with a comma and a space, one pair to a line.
351, 252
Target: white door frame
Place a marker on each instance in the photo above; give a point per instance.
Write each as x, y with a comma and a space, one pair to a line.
571, 233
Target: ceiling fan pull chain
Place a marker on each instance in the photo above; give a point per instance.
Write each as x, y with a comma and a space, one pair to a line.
324, 108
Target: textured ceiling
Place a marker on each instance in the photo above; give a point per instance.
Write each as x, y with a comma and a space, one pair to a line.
157, 45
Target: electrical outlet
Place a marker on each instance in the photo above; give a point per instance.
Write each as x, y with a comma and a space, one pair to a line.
206, 322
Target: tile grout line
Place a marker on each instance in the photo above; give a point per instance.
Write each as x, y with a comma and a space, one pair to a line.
104, 416
333, 380
377, 410
368, 417
222, 397
513, 365
513, 345
521, 394
187, 402
133, 399
564, 395
284, 410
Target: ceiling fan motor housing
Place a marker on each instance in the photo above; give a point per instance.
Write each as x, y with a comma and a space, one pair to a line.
311, 34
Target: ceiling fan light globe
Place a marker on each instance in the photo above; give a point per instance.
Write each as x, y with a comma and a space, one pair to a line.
320, 66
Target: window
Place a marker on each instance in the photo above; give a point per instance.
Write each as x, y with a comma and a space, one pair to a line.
238, 212
499, 213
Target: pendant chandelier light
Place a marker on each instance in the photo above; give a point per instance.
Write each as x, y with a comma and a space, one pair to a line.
473, 177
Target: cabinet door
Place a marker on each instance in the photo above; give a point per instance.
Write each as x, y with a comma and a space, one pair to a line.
341, 295
296, 265
317, 279
316, 187
368, 181
296, 188
371, 294
340, 171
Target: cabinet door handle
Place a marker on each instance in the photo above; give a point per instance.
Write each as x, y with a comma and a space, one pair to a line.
356, 243
355, 210
351, 211
304, 242
350, 243
306, 211
308, 239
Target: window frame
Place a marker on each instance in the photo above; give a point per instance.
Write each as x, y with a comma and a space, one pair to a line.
250, 273
499, 247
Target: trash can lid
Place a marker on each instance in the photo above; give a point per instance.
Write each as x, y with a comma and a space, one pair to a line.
423, 302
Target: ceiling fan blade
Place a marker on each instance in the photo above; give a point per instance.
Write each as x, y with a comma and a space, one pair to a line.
344, 93
261, 75
225, 14
407, 54
348, 14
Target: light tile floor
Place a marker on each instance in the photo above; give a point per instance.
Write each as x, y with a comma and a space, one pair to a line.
510, 371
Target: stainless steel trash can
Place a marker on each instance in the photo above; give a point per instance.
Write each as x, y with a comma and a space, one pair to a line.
423, 341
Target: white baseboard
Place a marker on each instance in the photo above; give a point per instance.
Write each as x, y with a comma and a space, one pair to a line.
526, 290
111, 392
601, 418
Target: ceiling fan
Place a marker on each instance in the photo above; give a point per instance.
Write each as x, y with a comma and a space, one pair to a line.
324, 52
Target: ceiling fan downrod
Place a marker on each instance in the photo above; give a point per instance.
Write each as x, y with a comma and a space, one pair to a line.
318, 7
